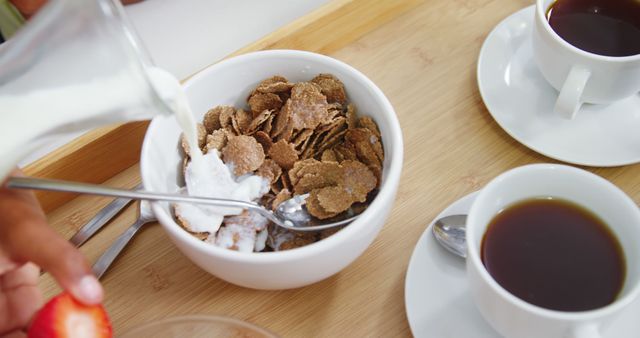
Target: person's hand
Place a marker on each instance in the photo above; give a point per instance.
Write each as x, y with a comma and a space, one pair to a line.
29, 7
26, 242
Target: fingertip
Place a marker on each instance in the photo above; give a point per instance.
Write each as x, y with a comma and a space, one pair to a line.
88, 290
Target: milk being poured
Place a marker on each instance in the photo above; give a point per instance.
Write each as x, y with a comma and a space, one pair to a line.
207, 176
75, 66
29, 117
166, 85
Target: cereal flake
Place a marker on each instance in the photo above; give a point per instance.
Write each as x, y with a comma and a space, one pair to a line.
331, 87
308, 106
244, 153
284, 153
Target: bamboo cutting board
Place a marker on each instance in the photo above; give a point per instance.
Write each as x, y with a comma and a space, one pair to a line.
423, 55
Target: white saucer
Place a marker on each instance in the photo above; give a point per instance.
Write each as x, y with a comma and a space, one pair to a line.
521, 101
438, 302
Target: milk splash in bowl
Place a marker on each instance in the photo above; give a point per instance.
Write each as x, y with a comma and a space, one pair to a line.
207, 176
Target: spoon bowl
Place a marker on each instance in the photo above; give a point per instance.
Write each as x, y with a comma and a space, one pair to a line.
449, 231
294, 215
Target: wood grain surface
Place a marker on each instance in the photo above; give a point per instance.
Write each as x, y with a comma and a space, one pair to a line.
425, 62
92, 158
332, 26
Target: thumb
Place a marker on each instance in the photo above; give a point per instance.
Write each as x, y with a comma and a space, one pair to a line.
27, 237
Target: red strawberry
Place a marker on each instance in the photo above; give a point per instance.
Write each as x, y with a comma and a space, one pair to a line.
64, 317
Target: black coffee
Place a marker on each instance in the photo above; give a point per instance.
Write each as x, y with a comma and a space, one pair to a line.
554, 254
605, 27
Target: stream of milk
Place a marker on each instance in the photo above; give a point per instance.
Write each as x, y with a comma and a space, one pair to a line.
28, 118
207, 176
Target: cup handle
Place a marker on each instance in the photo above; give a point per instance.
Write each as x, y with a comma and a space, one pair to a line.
585, 331
569, 100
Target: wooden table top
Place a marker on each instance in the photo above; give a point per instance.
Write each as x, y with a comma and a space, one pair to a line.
425, 62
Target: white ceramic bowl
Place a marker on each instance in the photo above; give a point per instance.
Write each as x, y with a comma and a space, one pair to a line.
229, 82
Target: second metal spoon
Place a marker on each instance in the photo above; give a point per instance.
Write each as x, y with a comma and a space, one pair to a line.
449, 232
145, 215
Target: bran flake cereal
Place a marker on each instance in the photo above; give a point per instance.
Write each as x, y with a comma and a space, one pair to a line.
302, 137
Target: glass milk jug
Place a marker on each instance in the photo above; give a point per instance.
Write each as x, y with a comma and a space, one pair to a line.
77, 64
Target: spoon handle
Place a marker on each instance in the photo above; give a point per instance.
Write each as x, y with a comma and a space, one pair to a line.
104, 262
95, 189
99, 220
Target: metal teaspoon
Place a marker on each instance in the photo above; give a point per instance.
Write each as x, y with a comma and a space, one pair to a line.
449, 232
291, 214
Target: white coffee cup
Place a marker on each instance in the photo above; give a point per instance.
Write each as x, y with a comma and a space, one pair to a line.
512, 316
578, 75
